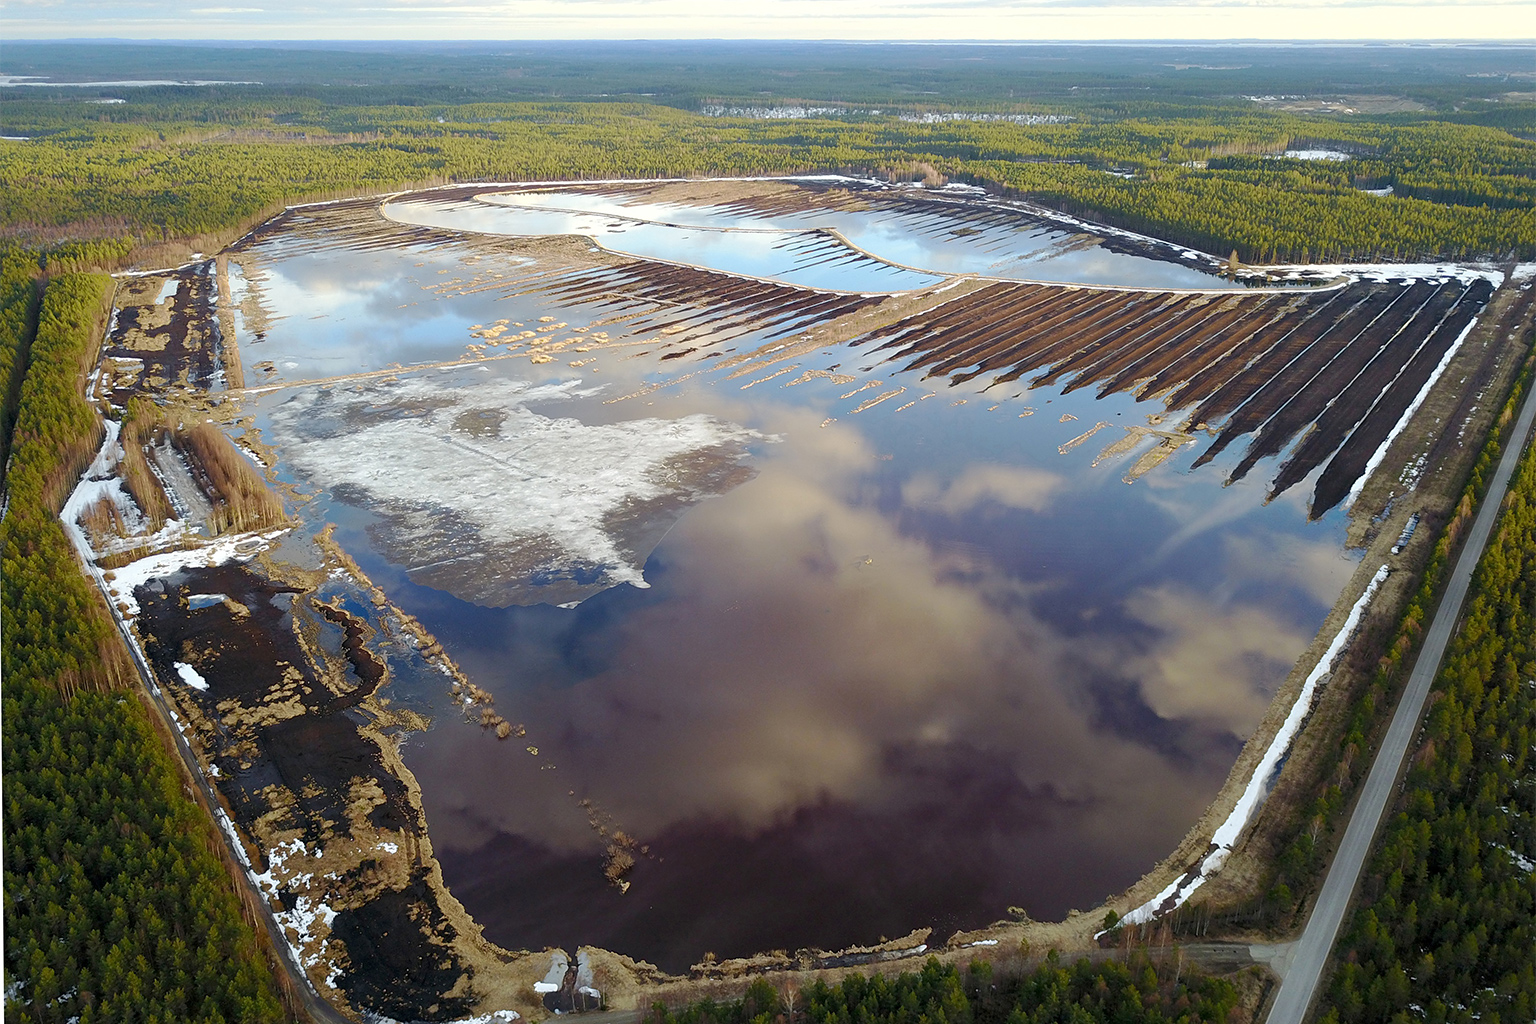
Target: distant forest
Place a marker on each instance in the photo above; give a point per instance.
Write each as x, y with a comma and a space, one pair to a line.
1183, 143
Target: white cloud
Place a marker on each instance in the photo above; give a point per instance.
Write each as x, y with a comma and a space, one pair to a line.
1214, 663
1028, 490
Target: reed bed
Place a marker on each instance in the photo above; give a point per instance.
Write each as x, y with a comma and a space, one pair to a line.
239, 493
142, 425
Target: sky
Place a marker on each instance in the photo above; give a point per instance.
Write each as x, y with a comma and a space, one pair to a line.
920, 20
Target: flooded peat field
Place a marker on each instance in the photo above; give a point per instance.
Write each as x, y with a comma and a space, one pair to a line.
804, 652
742, 567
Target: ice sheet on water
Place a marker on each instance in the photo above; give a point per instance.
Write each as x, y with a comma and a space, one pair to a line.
478, 494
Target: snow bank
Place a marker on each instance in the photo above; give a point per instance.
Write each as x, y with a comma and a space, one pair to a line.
586, 984
1466, 273
1316, 154
1225, 837
554, 978
494, 1017
235, 547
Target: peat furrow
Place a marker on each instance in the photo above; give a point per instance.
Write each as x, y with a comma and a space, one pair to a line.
660, 282
572, 287
1050, 353
738, 290
706, 305
666, 312
672, 284
1361, 342
1040, 318
381, 242
1249, 395
539, 283
1225, 380
808, 307
831, 305
956, 314
942, 335
1115, 369
1002, 334
825, 313
756, 301
1114, 316
1352, 405
1349, 463
930, 321
1204, 368
1205, 337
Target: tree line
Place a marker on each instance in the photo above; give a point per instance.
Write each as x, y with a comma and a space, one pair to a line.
1446, 918
117, 907
179, 169
1136, 991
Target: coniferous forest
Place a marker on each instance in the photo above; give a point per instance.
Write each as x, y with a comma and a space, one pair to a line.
1447, 919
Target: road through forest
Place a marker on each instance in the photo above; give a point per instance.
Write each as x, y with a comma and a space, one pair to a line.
1299, 987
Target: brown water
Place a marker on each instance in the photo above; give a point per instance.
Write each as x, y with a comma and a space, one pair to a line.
902, 667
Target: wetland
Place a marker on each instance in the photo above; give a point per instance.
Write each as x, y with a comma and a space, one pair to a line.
714, 569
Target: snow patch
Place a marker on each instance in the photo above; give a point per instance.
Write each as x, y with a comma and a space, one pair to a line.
554, 978
190, 676
494, 1017
1466, 273
1520, 860
586, 984
1316, 154
241, 547
953, 116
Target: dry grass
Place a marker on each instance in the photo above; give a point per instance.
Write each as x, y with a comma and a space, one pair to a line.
103, 523
142, 426
240, 495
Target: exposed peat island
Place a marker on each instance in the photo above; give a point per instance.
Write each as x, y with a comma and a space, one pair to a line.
585, 586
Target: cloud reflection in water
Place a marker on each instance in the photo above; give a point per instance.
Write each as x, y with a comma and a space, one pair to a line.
878, 724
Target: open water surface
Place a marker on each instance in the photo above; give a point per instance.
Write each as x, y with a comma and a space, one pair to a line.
899, 667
